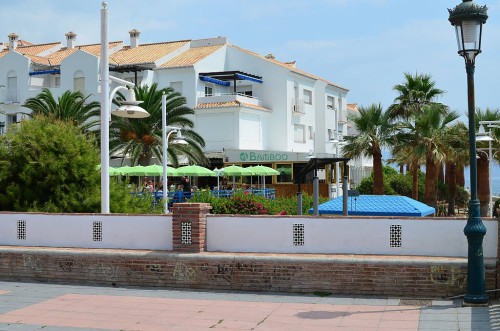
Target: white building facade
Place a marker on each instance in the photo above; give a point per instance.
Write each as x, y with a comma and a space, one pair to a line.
250, 109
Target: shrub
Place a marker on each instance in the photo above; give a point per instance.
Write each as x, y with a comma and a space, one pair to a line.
256, 205
461, 197
496, 205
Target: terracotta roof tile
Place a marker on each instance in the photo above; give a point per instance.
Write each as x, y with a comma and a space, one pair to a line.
288, 65
36, 49
94, 49
228, 104
31, 50
146, 53
190, 57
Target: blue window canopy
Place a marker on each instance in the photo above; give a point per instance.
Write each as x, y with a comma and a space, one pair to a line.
214, 80
45, 72
247, 77
226, 77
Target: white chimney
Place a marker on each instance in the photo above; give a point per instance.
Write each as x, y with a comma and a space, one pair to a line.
134, 38
70, 39
13, 41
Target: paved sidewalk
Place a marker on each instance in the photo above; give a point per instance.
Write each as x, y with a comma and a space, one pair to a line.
49, 307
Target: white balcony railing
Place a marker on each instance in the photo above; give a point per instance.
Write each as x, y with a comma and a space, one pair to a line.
9, 96
297, 106
228, 97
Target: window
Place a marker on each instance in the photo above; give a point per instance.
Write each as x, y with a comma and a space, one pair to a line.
57, 81
311, 132
245, 90
331, 135
11, 87
330, 102
299, 133
176, 86
209, 91
11, 119
79, 81
308, 97
285, 175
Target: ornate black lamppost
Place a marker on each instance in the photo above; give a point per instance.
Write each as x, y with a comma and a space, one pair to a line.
468, 19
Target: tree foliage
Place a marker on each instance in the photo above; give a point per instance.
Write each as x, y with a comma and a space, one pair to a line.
141, 139
49, 165
70, 106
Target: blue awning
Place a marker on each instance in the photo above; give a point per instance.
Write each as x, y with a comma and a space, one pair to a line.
245, 77
215, 81
45, 72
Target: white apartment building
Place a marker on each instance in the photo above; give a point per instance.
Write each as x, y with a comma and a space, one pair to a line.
249, 108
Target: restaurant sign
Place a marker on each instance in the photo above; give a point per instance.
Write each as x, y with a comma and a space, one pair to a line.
257, 157
254, 156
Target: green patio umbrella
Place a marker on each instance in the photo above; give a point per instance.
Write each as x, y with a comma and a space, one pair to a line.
234, 170
157, 170
194, 171
112, 171
136, 171
260, 170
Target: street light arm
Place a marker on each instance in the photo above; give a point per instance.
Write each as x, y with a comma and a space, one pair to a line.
121, 81
112, 95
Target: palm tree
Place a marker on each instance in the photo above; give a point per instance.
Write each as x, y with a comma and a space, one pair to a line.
141, 139
70, 106
457, 157
427, 136
414, 93
373, 132
483, 170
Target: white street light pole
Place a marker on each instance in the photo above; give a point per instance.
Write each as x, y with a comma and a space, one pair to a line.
104, 63
128, 108
164, 138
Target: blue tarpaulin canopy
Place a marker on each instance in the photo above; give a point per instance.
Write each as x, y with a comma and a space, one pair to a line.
226, 77
377, 205
45, 72
246, 77
215, 81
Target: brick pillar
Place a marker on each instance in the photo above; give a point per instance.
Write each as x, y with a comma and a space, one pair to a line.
189, 226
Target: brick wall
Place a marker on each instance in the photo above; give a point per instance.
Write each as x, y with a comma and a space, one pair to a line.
302, 273
189, 266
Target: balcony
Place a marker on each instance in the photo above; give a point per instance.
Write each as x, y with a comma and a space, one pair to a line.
9, 96
297, 107
229, 97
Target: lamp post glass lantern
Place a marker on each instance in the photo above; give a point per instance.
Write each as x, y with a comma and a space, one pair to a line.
468, 19
128, 108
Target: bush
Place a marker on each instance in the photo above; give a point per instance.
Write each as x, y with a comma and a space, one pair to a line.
49, 165
496, 205
256, 205
462, 197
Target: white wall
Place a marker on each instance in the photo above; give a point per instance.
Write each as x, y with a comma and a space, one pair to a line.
423, 237
76, 230
89, 65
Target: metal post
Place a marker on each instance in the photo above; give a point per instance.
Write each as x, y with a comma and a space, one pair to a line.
490, 159
337, 168
299, 203
344, 194
104, 69
474, 229
315, 195
164, 150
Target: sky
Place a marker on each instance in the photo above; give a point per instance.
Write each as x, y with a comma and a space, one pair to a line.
363, 45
